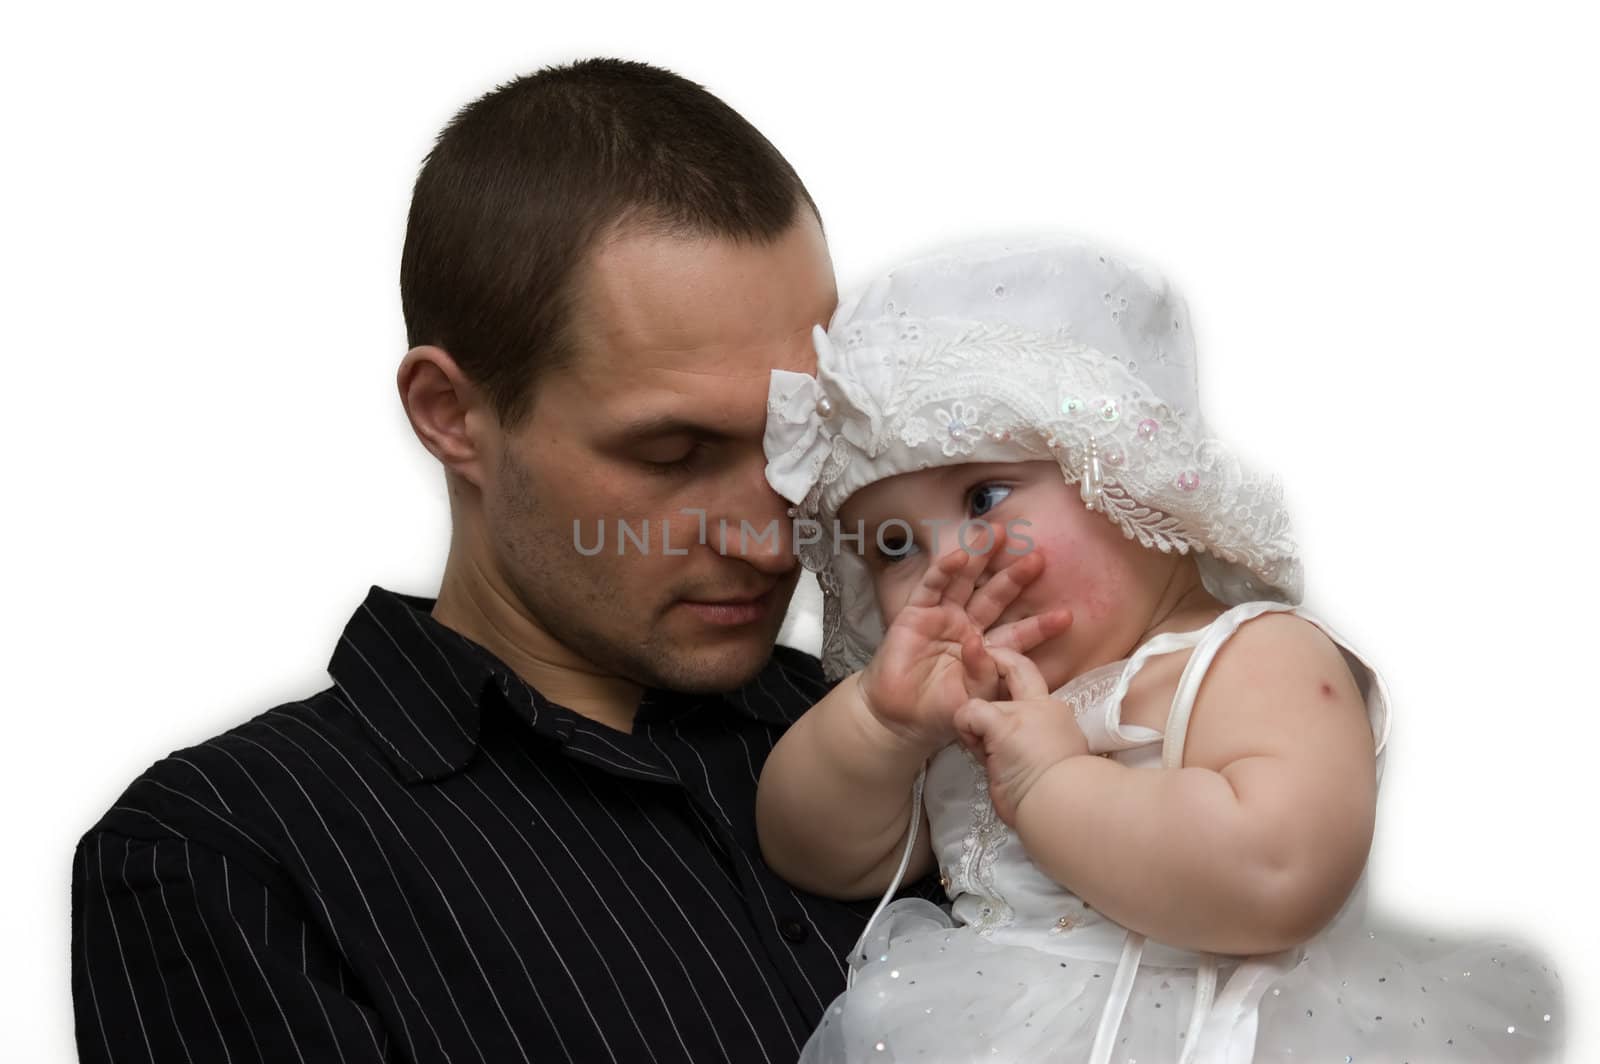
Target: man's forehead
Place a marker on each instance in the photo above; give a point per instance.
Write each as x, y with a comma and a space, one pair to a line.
703, 305
656, 367
661, 392
671, 326
733, 364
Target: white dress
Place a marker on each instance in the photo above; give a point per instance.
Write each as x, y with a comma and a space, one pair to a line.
1023, 970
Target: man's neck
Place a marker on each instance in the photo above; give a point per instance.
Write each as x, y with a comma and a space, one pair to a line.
477, 607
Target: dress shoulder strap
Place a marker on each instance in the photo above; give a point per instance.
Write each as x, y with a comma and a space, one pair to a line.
1166, 643
1211, 639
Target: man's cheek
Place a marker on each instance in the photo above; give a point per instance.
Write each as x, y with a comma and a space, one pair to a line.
675, 533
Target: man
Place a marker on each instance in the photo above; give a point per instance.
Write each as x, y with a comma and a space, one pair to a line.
519, 826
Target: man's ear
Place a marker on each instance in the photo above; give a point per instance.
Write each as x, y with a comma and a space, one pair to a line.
451, 416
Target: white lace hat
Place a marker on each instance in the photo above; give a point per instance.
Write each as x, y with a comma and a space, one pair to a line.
1019, 352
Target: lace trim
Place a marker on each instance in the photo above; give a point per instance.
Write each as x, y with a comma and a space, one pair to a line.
987, 833
1092, 688
979, 850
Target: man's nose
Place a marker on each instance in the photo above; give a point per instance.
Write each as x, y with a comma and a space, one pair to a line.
769, 544
761, 530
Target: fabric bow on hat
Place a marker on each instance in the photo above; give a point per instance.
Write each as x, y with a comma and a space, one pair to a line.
796, 436
845, 398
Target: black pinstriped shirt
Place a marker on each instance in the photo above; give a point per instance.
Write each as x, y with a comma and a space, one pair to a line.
428, 861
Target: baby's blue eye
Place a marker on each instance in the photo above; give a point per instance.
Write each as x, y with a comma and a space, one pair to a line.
986, 497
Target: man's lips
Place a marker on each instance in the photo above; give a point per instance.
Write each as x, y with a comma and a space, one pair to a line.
730, 609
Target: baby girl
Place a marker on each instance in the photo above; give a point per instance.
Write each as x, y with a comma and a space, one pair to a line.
1075, 679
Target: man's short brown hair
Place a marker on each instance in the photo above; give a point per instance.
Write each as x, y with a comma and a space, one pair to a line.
522, 182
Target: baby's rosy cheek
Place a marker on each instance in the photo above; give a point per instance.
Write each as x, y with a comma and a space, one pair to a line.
1088, 584
1099, 604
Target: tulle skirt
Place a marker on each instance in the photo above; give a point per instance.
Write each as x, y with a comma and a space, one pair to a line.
930, 993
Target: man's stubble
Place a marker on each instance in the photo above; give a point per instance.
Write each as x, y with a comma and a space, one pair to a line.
572, 596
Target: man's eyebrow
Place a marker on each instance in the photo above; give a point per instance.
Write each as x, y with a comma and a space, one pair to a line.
656, 425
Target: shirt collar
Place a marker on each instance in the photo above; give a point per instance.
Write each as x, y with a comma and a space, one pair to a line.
415, 685
419, 688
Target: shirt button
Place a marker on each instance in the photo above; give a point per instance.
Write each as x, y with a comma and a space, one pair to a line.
793, 930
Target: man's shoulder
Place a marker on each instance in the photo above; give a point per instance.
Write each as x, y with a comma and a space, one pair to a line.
225, 792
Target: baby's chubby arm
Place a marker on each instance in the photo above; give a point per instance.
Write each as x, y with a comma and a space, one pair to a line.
835, 794
1256, 842
835, 799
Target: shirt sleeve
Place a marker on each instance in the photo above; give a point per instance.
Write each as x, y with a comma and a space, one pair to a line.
179, 954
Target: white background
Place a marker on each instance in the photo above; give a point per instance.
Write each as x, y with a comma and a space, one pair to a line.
1384, 219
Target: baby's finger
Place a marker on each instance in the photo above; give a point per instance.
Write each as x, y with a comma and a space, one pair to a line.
982, 671
1022, 676
1002, 588
930, 590
965, 577
1024, 635
977, 718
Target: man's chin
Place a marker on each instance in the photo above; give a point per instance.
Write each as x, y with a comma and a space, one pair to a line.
708, 673
719, 660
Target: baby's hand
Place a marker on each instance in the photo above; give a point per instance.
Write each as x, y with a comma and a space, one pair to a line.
935, 657
1021, 738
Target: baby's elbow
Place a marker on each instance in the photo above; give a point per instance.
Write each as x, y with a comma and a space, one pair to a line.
1302, 869
1294, 900
1288, 916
